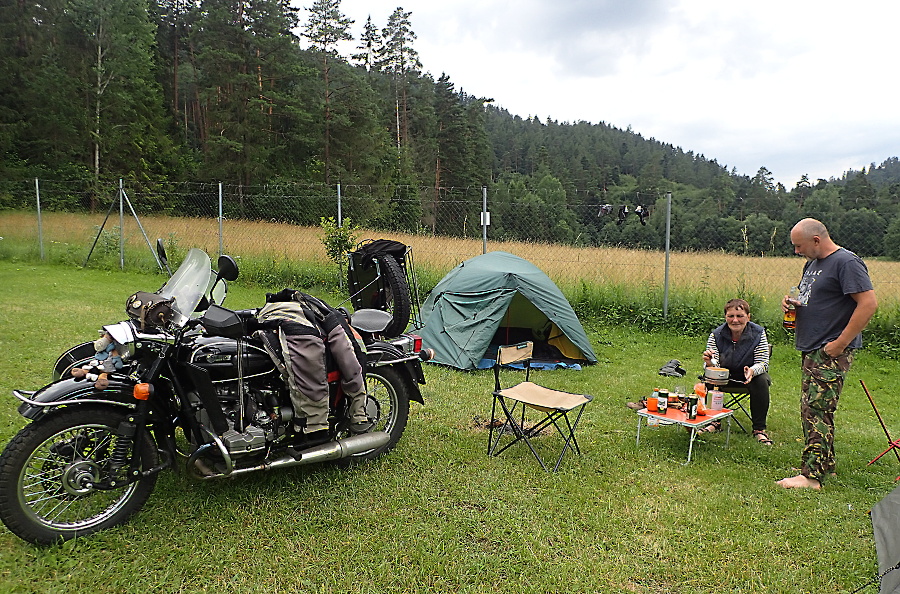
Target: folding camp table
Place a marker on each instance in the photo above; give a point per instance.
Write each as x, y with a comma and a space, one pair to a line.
677, 417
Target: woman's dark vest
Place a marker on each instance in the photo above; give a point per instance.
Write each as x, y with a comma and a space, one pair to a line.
736, 355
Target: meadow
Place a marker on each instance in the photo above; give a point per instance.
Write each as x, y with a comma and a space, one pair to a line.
438, 515
707, 276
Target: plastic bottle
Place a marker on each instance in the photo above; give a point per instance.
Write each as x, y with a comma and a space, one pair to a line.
716, 399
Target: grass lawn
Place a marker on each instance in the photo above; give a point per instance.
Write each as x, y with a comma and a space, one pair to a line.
438, 515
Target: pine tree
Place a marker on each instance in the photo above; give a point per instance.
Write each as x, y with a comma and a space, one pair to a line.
398, 58
246, 63
369, 46
325, 28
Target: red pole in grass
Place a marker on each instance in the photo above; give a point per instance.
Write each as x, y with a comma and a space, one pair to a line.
894, 444
891, 443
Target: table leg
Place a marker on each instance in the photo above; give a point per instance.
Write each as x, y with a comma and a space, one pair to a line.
691, 444
728, 435
638, 441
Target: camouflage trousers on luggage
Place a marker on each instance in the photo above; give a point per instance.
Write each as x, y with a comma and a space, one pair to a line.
823, 380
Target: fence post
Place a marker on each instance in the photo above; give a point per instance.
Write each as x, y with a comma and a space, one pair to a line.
668, 236
121, 226
339, 215
37, 193
485, 219
221, 217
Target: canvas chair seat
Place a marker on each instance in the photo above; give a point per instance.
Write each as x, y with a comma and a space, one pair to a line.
554, 407
542, 398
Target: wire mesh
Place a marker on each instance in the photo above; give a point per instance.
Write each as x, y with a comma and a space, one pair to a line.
574, 238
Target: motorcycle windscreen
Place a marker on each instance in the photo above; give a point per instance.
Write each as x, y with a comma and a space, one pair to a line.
188, 284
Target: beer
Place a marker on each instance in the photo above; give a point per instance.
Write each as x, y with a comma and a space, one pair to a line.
789, 321
692, 401
663, 405
790, 318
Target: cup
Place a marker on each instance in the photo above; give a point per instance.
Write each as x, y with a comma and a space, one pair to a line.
651, 404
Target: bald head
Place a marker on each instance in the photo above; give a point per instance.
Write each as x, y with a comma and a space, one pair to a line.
811, 240
810, 227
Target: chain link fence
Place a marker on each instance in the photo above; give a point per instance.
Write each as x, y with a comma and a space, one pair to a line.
574, 237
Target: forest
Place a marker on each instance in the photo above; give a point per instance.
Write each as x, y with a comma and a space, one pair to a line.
258, 94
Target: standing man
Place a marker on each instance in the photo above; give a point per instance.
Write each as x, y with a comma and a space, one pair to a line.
836, 302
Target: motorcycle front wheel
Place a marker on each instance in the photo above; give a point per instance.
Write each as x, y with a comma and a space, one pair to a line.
49, 473
387, 407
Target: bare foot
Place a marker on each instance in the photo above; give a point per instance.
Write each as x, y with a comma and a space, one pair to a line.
799, 482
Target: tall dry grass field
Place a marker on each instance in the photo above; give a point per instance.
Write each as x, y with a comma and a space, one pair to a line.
639, 270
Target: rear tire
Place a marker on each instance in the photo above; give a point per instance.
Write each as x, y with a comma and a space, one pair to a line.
387, 407
48, 471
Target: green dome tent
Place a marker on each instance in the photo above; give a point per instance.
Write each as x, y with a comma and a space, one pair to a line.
498, 298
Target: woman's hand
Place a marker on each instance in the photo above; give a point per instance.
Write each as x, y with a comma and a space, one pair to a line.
748, 374
707, 358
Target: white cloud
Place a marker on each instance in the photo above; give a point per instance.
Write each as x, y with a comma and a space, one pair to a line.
798, 87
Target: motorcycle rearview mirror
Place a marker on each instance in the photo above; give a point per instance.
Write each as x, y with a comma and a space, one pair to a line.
228, 268
228, 271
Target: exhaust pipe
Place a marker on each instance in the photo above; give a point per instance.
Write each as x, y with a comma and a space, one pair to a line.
333, 450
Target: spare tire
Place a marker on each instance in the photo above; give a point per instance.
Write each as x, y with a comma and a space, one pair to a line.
393, 296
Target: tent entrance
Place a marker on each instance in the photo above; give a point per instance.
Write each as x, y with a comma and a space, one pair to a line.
522, 322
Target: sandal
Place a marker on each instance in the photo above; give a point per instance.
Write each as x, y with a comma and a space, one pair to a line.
762, 438
713, 427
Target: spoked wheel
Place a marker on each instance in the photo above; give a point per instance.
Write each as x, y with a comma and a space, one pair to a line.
54, 477
387, 407
394, 296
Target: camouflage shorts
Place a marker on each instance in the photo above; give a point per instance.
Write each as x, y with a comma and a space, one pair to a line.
823, 380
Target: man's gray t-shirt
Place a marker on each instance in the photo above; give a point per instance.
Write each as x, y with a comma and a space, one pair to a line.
825, 291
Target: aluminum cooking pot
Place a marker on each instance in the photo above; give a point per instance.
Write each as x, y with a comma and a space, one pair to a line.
717, 374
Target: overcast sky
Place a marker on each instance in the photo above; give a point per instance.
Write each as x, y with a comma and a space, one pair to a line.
796, 86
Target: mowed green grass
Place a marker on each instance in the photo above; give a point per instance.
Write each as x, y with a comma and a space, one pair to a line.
438, 515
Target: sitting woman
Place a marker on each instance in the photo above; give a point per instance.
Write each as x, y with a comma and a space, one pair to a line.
743, 348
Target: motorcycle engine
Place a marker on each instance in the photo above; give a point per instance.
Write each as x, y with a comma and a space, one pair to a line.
263, 419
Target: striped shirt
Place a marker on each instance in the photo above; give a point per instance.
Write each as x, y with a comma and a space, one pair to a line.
760, 353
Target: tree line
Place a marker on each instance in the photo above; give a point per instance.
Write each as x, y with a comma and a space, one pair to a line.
261, 95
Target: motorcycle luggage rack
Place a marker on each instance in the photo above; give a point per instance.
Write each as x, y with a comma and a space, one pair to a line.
368, 276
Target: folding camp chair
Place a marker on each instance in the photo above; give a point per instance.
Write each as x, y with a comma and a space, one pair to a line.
553, 404
738, 395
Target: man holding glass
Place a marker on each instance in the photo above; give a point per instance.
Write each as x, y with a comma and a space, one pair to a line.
835, 303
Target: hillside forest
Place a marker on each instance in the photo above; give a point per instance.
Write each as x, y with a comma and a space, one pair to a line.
260, 95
